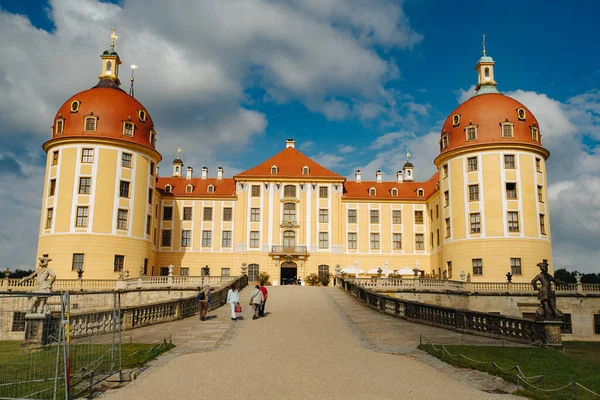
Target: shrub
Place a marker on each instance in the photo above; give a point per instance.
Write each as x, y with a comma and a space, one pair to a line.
325, 279
312, 280
263, 279
395, 276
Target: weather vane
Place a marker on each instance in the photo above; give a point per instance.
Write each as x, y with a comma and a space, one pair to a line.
407, 156
483, 43
179, 153
113, 37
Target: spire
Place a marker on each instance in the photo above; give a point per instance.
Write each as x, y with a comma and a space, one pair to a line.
177, 164
408, 169
133, 66
483, 44
485, 73
110, 63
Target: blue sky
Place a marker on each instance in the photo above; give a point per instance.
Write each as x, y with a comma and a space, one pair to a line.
355, 82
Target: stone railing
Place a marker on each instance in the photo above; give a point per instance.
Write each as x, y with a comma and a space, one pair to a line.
514, 329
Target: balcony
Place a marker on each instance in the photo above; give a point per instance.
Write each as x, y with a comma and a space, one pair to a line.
289, 250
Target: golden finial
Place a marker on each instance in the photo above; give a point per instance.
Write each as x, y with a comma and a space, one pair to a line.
483, 43
179, 153
113, 37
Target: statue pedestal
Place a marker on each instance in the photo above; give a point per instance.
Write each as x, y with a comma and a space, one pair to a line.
550, 332
39, 328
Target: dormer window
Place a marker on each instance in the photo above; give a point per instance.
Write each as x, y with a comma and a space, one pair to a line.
142, 115
305, 170
535, 134
445, 141
274, 170
153, 137
521, 114
456, 120
189, 189
75, 106
420, 192
60, 126
210, 189
168, 188
372, 192
471, 132
394, 192
507, 129
128, 129
90, 124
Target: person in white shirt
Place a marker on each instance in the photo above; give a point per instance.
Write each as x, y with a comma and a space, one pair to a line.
233, 298
256, 301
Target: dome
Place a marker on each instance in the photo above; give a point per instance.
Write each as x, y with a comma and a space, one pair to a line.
118, 116
487, 113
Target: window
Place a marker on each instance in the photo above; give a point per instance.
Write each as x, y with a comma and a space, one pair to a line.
128, 129
323, 192
431, 240
305, 170
253, 270
226, 239
515, 266
372, 192
152, 137
597, 324
419, 241
540, 192
209, 189
449, 264
148, 224
225, 271
82, 216
108, 67
374, 241
534, 134
437, 211
75, 106
207, 214
126, 160
255, 214
184, 271
538, 165
446, 198
323, 240
289, 212
475, 223
473, 192
351, 216
521, 114
166, 238
167, 213
477, 266
150, 196
168, 188
60, 124
394, 192
122, 219
186, 238
289, 239
52, 187
396, 216
352, 240
289, 191
18, 322
254, 240
420, 192
206, 238
374, 216
542, 224
471, 132
513, 221
142, 115
227, 214
455, 119
152, 168
187, 213
49, 214
447, 227
323, 215
445, 141
87, 156
255, 191
445, 170
90, 124
274, 170
78, 261
437, 235
418, 217
85, 184
397, 241
119, 263
507, 130
323, 272
472, 164
567, 325
124, 189
486, 72
55, 157
511, 190
509, 161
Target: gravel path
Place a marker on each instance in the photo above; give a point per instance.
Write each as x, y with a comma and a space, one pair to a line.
302, 349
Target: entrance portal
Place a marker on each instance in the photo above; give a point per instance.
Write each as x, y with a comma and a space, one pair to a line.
289, 273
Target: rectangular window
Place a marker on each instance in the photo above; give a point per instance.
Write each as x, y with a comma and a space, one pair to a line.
124, 189
184, 271
540, 192
119, 263
597, 324
430, 215
472, 163
207, 214
150, 196
475, 223
87, 156
449, 264
255, 214
542, 224
515, 266
397, 241
18, 322
148, 224
418, 217
445, 170
511, 190
513, 221
447, 227
55, 157
538, 165
82, 216
49, 214
323, 192
126, 160
396, 216
187, 213
431, 240
78, 261
507, 130
166, 238
534, 134
227, 214
52, 188
352, 240
167, 213
437, 233
351, 216
374, 241
122, 219
471, 133
473, 192
226, 240
289, 191
289, 212
186, 238
152, 168
323, 215
206, 238
323, 240
374, 216
446, 198
477, 266
419, 241
437, 211
90, 124
225, 271
509, 161
255, 191
85, 184
567, 325
254, 239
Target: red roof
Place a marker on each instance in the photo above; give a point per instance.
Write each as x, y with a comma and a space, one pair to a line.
222, 188
289, 163
383, 190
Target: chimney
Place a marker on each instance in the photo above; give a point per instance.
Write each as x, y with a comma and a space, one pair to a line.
204, 173
220, 173
379, 176
399, 176
188, 173
357, 175
290, 143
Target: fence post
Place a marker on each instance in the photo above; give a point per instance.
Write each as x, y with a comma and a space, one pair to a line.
574, 383
517, 375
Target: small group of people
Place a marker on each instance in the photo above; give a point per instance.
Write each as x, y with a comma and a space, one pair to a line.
258, 298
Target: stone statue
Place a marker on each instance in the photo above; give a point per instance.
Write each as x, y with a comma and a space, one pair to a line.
379, 271
509, 277
142, 272
546, 295
469, 277
45, 279
462, 276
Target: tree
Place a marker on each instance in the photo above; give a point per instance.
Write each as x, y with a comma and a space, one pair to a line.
565, 276
263, 279
312, 280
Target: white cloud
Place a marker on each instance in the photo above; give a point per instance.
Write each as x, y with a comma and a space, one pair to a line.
345, 149
306, 145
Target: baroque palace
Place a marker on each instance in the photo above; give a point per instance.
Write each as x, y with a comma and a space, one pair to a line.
105, 210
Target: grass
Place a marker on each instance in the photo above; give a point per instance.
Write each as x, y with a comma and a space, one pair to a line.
579, 361
33, 374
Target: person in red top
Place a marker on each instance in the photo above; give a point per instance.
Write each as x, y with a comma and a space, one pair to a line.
264, 291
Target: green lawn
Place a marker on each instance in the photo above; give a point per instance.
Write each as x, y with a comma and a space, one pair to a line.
579, 361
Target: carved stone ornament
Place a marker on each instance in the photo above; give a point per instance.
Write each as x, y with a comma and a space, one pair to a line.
289, 225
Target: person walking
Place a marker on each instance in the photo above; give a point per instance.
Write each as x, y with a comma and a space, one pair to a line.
233, 298
203, 303
265, 293
256, 300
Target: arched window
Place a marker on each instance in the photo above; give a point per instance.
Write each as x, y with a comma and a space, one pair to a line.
305, 170
253, 271
176, 169
289, 212
289, 239
274, 170
90, 124
323, 272
168, 188
395, 192
189, 189
210, 189
372, 192
109, 67
128, 129
289, 191
486, 72
420, 192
